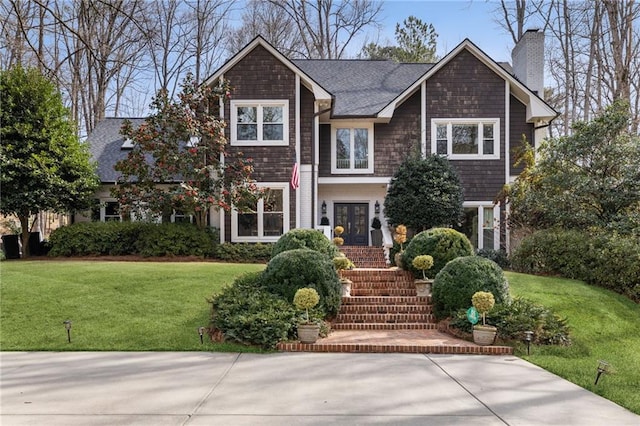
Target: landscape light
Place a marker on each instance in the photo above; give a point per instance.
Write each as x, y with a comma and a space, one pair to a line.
201, 332
603, 367
67, 326
528, 337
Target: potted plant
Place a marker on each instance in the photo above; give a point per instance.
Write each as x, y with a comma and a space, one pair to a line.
341, 263
400, 237
376, 232
483, 334
423, 286
337, 231
305, 299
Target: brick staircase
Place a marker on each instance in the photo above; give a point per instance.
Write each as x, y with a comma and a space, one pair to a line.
384, 314
365, 256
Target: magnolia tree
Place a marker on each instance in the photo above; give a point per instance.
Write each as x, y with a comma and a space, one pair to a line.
180, 160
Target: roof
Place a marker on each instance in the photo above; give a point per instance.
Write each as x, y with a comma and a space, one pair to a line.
362, 87
105, 144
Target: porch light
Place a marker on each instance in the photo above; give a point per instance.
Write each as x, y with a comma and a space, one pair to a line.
603, 367
528, 337
377, 207
324, 208
201, 333
67, 326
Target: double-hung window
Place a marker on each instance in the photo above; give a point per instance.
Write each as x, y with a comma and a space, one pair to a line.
259, 122
267, 219
466, 139
352, 148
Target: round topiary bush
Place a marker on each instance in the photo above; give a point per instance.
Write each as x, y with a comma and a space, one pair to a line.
443, 244
305, 238
299, 268
457, 282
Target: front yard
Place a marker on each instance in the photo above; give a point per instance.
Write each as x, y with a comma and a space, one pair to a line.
158, 306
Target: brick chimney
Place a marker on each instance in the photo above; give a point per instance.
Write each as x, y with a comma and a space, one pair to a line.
528, 60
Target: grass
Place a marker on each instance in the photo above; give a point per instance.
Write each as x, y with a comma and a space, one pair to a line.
113, 306
158, 306
604, 326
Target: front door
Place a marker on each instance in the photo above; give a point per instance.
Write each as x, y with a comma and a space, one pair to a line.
354, 218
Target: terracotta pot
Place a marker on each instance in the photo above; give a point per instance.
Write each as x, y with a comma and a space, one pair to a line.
484, 335
308, 333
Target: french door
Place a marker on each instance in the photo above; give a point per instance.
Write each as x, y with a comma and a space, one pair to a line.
354, 218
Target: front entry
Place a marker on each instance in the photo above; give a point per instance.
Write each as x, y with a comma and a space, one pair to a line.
354, 218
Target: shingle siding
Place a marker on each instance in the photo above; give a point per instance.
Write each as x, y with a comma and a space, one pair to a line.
466, 88
518, 127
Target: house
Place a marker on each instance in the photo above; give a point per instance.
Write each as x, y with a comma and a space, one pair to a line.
346, 125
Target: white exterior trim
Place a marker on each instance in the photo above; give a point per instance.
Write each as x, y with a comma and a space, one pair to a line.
507, 129
297, 130
475, 121
353, 180
284, 186
370, 146
259, 104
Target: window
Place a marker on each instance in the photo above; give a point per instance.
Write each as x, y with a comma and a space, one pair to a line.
466, 139
267, 219
352, 149
259, 122
481, 217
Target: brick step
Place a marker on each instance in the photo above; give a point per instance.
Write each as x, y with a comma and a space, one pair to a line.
378, 274
383, 326
385, 309
385, 300
388, 318
383, 291
382, 285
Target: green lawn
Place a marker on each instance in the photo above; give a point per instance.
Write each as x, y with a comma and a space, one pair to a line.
114, 306
158, 306
604, 326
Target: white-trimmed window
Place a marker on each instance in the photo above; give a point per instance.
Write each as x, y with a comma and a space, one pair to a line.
264, 122
268, 218
466, 139
481, 225
351, 148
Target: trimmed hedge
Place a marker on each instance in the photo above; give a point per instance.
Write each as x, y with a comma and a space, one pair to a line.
607, 260
295, 269
244, 252
305, 238
443, 244
247, 313
456, 283
132, 238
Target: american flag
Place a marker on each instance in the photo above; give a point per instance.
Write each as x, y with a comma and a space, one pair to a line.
295, 177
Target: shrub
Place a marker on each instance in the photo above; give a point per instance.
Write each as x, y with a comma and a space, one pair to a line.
305, 299
305, 238
295, 269
483, 301
124, 238
247, 313
443, 244
607, 260
244, 252
498, 256
422, 263
513, 319
455, 285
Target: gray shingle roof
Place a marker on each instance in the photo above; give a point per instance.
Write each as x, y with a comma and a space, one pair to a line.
105, 145
362, 87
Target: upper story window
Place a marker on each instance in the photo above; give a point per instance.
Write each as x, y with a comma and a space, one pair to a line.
260, 122
465, 139
352, 148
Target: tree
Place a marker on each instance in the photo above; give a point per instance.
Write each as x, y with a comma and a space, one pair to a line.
44, 165
416, 42
176, 162
424, 193
588, 179
327, 26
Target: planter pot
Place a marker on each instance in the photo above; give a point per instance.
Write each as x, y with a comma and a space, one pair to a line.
308, 333
484, 335
423, 287
376, 238
346, 287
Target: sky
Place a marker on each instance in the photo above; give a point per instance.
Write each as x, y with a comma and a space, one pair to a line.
453, 20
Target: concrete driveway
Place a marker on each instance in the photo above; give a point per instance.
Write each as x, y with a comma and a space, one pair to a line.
200, 388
